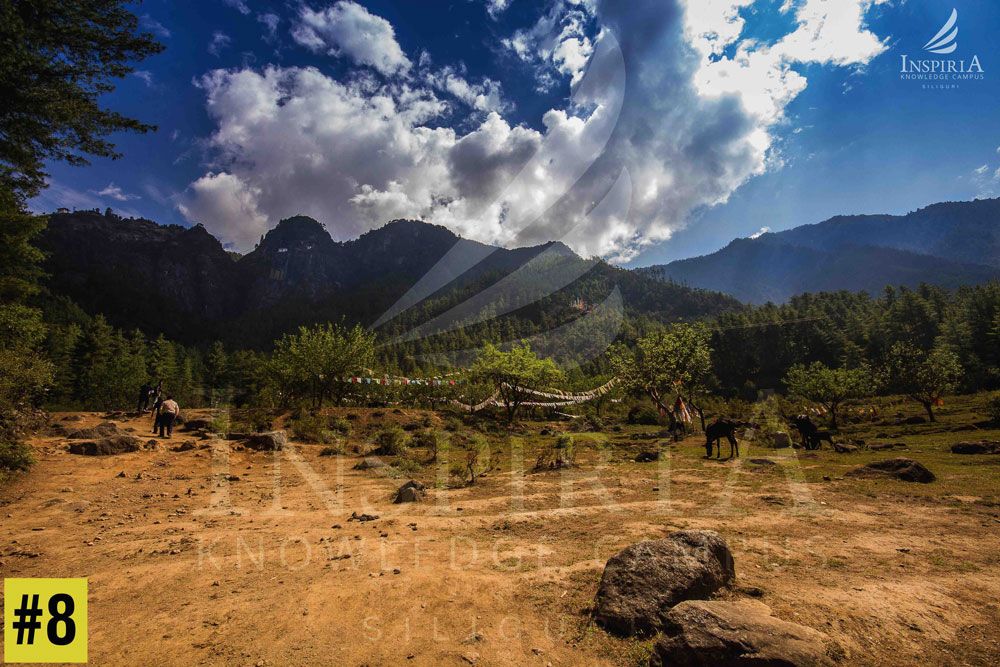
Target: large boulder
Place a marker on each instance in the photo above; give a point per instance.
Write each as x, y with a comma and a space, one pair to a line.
115, 444
370, 463
102, 430
736, 634
903, 469
641, 583
197, 425
976, 447
411, 492
270, 441
780, 440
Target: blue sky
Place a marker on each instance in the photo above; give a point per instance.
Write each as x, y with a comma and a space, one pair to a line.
438, 111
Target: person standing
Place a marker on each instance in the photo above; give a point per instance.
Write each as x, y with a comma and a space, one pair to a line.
157, 407
168, 413
144, 392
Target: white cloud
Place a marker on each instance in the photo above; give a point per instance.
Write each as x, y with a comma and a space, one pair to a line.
760, 232
238, 5
270, 22
557, 43
145, 75
346, 28
496, 7
220, 41
617, 168
979, 171
483, 96
154, 26
112, 191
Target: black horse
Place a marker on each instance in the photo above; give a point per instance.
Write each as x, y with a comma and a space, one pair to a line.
812, 436
723, 428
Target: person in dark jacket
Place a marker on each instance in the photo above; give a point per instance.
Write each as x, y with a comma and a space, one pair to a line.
144, 393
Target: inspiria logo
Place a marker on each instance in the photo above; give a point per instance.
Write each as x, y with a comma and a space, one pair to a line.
948, 72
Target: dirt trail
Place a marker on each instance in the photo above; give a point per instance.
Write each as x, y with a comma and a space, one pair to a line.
219, 557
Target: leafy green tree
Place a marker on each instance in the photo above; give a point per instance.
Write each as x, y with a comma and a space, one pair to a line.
19, 259
668, 362
829, 387
311, 363
58, 59
163, 362
926, 377
217, 373
514, 375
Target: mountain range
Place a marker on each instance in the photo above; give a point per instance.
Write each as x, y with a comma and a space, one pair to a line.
183, 283
947, 244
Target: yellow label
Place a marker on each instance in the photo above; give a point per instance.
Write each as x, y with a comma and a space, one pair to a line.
45, 620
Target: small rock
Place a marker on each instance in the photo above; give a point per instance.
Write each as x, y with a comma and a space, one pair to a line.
411, 492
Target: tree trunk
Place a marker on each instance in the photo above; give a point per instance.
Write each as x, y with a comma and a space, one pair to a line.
929, 407
833, 416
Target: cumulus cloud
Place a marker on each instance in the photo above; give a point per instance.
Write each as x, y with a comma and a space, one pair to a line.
760, 232
556, 44
483, 96
112, 191
348, 29
672, 110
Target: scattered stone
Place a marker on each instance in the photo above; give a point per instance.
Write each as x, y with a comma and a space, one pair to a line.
185, 446
844, 448
270, 441
642, 582
881, 446
411, 492
736, 633
903, 469
369, 463
647, 457
362, 517
116, 444
762, 462
976, 447
915, 419
121, 474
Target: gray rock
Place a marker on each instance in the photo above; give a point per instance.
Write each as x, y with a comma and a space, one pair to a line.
411, 492
903, 469
736, 634
102, 430
116, 444
780, 440
976, 447
844, 448
369, 463
641, 583
271, 441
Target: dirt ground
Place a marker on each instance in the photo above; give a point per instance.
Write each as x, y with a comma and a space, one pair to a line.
223, 556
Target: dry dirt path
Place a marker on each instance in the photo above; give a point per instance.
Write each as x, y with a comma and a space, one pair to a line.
219, 557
